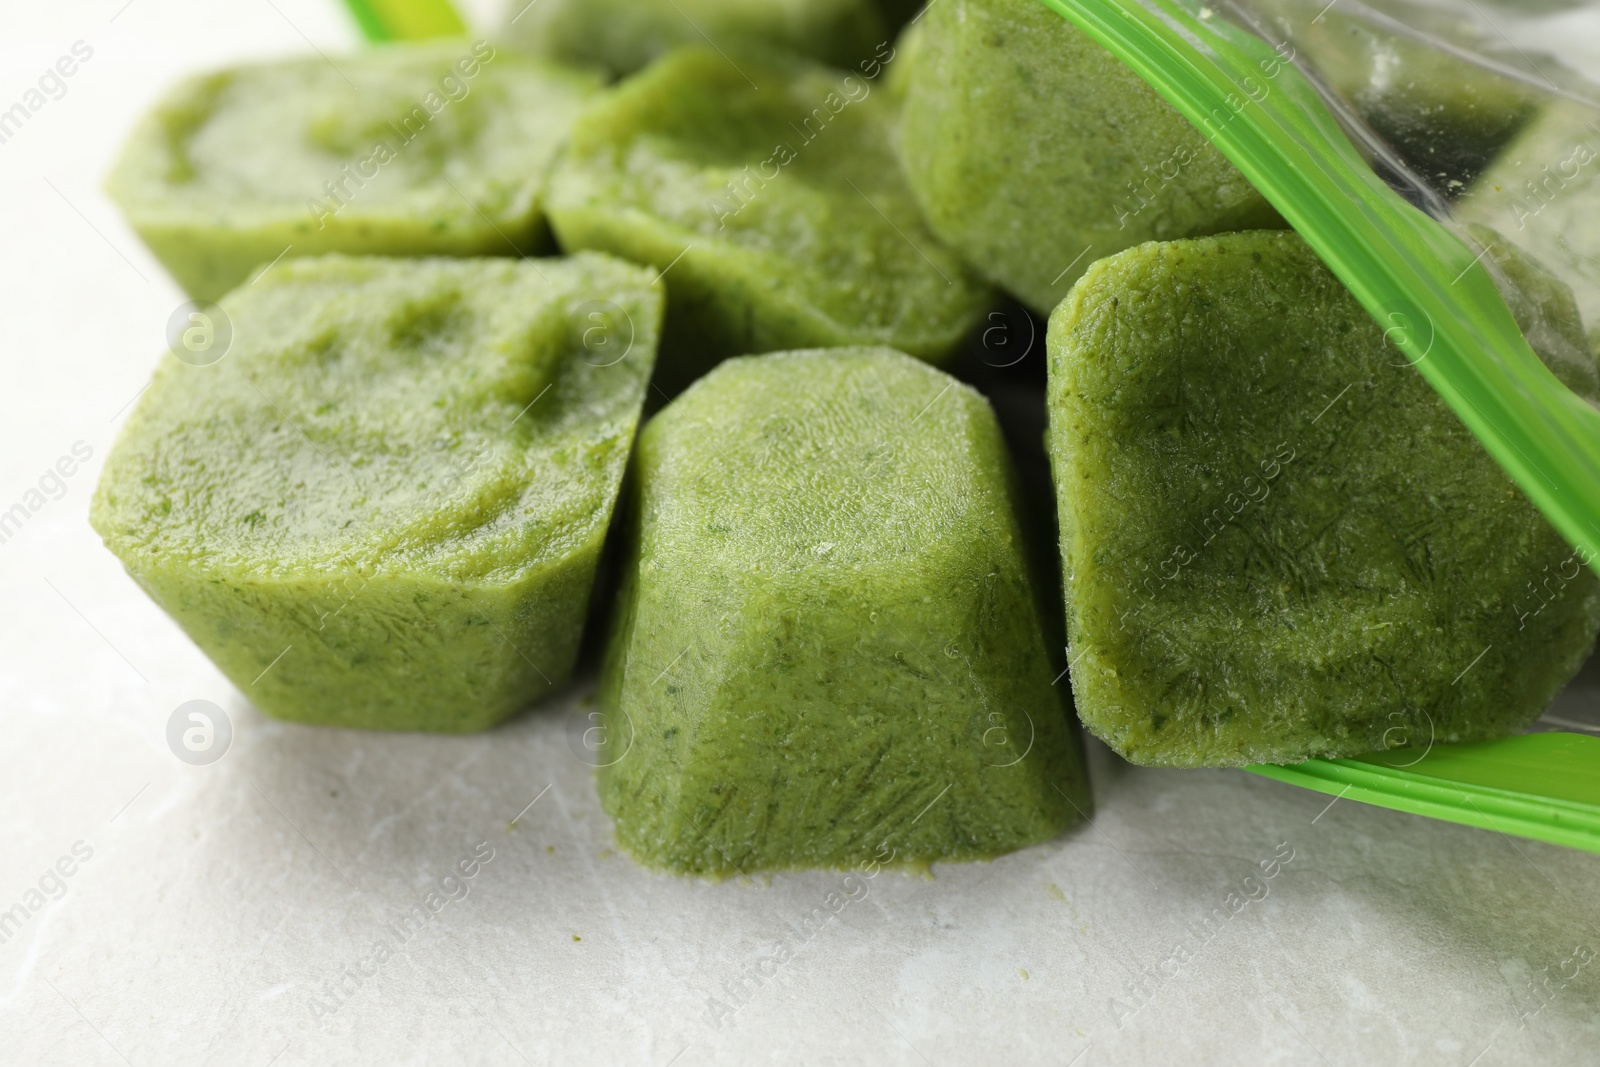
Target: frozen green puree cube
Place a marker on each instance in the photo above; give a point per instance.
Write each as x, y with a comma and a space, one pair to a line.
778, 214
383, 506
1543, 193
1034, 152
828, 650
624, 35
439, 149
1444, 115
1278, 541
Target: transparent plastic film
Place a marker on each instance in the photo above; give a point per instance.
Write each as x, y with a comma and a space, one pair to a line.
1479, 116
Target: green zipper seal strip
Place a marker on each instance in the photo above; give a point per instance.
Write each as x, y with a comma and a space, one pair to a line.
1540, 786
1418, 280
406, 20
1440, 308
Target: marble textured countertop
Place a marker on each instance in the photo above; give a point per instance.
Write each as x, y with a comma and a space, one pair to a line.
229, 913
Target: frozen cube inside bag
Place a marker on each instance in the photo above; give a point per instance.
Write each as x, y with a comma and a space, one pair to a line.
1279, 542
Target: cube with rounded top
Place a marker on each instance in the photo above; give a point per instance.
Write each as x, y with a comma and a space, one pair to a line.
765, 189
1279, 542
384, 505
828, 649
406, 149
1034, 151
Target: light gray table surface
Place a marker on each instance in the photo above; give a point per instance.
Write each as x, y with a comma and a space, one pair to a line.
213, 911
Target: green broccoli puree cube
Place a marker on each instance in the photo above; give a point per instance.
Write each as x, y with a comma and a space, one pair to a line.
828, 650
1278, 541
625, 35
1543, 194
1034, 152
777, 214
438, 149
383, 506
1444, 115
1545, 309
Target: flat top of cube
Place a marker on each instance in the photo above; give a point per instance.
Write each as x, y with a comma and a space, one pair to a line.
785, 169
823, 459
466, 418
449, 130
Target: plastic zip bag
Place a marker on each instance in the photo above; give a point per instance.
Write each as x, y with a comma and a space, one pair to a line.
1264, 86
1438, 166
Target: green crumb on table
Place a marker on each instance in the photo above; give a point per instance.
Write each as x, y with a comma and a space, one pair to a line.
624, 35
384, 505
1279, 542
436, 149
827, 651
1034, 152
778, 216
